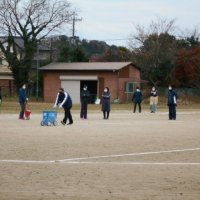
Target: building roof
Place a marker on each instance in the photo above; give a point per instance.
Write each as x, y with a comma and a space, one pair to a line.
5, 73
86, 66
18, 40
43, 46
5, 70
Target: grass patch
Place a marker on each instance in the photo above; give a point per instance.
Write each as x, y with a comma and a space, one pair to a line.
11, 105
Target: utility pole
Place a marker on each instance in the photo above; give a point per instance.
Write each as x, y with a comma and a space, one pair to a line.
37, 73
74, 20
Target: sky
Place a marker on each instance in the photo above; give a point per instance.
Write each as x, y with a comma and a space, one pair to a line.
113, 21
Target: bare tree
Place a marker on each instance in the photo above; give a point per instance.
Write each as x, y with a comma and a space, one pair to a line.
160, 26
153, 49
31, 20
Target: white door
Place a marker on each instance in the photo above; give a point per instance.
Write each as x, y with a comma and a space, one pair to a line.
73, 88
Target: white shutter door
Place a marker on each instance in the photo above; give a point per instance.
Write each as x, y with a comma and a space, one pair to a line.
73, 88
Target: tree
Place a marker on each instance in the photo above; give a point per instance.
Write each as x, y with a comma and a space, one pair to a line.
78, 55
116, 54
154, 50
71, 54
187, 72
64, 55
157, 58
31, 20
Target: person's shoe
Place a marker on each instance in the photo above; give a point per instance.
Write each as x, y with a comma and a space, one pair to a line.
70, 123
63, 123
21, 118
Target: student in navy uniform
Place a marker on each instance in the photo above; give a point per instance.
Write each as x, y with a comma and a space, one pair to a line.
85, 96
137, 99
22, 101
64, 100
106, 103
172, 102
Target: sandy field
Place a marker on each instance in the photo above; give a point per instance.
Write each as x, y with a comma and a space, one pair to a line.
128, 157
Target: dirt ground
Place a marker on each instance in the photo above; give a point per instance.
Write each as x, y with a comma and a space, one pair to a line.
128, 157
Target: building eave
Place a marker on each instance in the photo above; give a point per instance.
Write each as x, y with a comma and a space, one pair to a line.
89, 66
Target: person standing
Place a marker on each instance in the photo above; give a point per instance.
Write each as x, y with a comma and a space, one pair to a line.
23, 99
137, 99
172, 103
153, 99
85, 96
63, 100
106, 103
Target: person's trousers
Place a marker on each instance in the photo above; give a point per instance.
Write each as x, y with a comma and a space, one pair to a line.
135, 105
67, 116
153, 108
153, 103
172, 112
106, 114
83, 113
21, 114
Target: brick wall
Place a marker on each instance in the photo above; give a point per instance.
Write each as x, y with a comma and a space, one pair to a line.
115, 80
52, 82
7, 87
134, 73
51, 85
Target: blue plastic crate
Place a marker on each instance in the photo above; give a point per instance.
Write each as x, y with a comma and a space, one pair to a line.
49, 118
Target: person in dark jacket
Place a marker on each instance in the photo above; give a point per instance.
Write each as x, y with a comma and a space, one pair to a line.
22, 101
137, 99
106, 103
63, 100
172, 103
85, 96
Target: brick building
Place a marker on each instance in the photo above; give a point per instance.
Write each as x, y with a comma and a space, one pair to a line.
6, 82
7, 86
120, 77
6, 79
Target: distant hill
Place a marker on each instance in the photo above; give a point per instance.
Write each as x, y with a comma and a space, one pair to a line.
94, 50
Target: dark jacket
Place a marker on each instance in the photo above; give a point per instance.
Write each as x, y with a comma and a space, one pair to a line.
172, 98
154, 93
22, 95
85, 96
106, 101
64, 99
137, 97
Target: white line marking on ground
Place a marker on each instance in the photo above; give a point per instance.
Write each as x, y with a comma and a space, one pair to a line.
75, 160
132, 154
28, 161
133, 163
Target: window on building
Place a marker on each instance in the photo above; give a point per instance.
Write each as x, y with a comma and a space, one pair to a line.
131, 86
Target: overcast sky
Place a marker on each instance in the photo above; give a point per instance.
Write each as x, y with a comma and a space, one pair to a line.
116, 19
